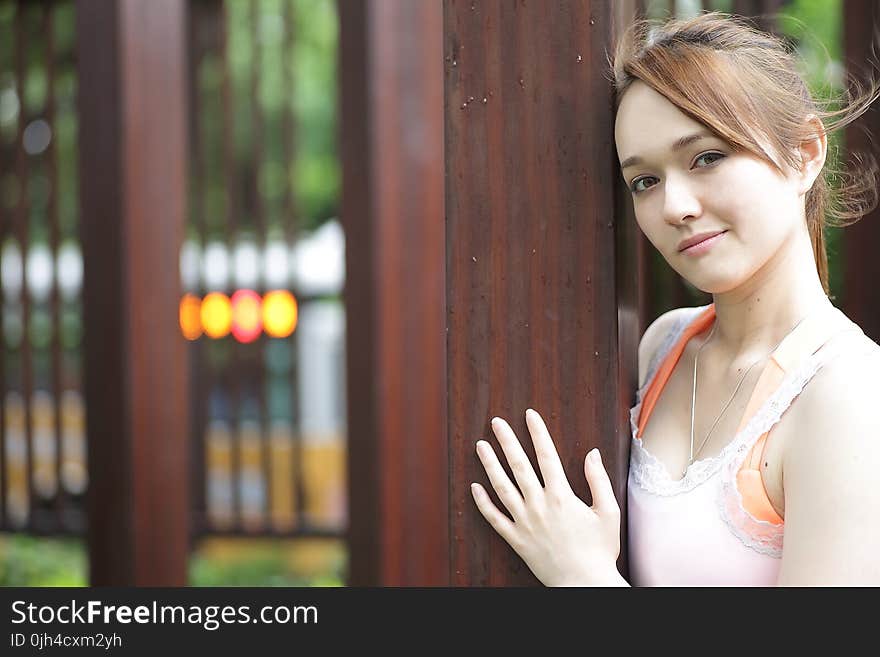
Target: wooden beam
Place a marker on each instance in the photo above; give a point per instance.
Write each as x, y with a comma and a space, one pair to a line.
133, 172
534, 304
392, 210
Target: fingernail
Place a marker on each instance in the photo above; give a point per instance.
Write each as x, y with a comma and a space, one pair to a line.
529, 410
475, 489
595, 459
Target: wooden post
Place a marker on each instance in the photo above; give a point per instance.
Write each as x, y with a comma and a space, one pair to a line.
861, 268
392, 211
133, 172
534, 304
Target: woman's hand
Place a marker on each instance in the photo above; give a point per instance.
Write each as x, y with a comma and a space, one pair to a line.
562, 540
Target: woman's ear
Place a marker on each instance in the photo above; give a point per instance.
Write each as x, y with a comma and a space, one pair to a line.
812, 152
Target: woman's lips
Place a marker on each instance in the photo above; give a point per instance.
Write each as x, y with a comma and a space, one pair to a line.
704, 246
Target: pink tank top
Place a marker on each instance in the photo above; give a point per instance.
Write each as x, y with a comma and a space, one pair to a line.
696, 531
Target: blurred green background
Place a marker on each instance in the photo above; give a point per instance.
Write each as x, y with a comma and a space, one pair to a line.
40, 561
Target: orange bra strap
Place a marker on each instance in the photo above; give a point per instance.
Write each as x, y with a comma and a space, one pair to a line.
771, 376
700, 324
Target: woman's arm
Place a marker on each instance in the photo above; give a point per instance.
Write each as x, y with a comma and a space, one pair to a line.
831, 471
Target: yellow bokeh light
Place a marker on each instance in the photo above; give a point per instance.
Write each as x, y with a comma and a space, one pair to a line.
190, 321
279, 313
216, 315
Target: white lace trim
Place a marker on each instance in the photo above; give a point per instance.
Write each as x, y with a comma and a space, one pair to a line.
759, 535
651, 475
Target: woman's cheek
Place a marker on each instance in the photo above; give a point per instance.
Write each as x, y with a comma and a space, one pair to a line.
651, 231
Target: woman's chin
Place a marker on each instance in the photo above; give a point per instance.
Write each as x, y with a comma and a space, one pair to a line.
712, 284
711, 276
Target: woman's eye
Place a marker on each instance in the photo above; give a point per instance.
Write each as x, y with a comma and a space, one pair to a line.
635, 190
720, 155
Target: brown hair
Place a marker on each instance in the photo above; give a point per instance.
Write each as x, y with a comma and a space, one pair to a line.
744, 85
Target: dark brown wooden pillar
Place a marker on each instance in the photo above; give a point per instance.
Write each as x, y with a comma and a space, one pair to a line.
861, 267
391, 71
534, 303
133, 171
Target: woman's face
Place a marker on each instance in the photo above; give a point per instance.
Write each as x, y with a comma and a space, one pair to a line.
702, 187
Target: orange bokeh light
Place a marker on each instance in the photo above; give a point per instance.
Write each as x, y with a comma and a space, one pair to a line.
247, 319
189, 316
216, 315
279, 313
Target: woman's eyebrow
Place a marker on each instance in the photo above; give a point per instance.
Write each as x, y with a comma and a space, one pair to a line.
677, 146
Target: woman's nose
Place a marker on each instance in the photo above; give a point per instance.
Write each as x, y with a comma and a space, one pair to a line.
680, 201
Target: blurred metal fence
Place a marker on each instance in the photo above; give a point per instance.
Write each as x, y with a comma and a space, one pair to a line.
268, 429
269, 401
42, 416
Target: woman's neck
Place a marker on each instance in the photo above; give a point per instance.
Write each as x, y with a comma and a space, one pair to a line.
756, 316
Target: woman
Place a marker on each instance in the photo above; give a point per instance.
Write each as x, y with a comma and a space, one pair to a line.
755, 424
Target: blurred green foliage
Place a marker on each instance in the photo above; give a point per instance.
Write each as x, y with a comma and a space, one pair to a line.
27, 560
815, 28
266, 564
281, 67
41, 561
317, 165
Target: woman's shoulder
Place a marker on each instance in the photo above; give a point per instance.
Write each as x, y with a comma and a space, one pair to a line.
855, 364
844, 390
659, 331
830, 466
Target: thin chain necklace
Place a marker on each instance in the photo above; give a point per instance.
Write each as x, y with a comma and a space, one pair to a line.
742, 378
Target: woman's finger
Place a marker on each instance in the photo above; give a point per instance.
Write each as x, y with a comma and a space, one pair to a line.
520, 465
600, 485
548, 458
507, 492
500, 523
